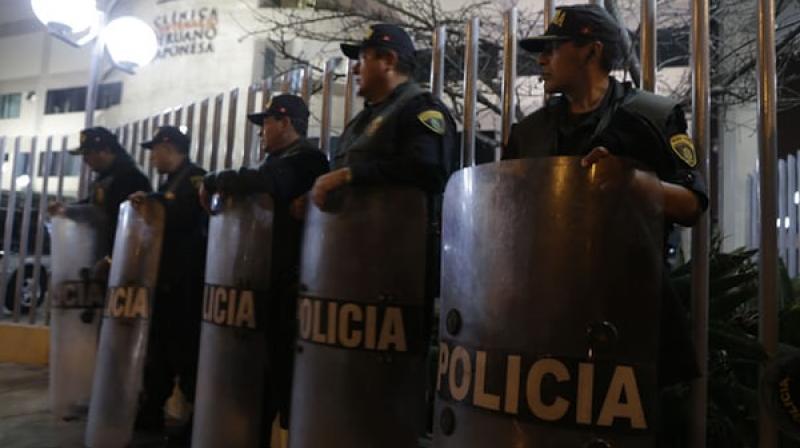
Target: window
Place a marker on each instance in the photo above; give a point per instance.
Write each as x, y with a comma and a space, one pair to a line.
73, 99
269, 63
9, 105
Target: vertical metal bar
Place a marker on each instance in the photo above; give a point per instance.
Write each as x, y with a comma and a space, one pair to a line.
95, 66
597, 2
63, 156
350, 92
40, 230
230, 135
266, 90
437, 61
648, 45
215, 131
145, 136
510, 22
190, 130
327, 105
791, 213
285, 82
266, 97
549, 12
701, 233
202, 126
177, 115
135, 140
308, 84
2, 161
470, 92
249, 128
166, 118
783, 243
767, 152
11, 207
151, 170
125, 138
751, 211
25, 231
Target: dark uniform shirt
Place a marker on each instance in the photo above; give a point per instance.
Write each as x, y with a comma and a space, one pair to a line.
413, 145
662, 147
185, 227
113, 186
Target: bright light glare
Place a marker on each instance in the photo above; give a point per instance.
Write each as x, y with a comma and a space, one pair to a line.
23, 181
77, 15
130, 42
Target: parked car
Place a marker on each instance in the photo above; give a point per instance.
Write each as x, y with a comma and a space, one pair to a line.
12, 260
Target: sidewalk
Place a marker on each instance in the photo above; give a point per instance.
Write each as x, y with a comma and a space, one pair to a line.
25, 421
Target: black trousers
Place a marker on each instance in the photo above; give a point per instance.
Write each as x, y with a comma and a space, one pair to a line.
172, 348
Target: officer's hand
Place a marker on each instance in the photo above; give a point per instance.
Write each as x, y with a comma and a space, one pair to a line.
101, 269
327, 183
298, 208
55, 208
202, 196
229, 182
137, 197
595, 156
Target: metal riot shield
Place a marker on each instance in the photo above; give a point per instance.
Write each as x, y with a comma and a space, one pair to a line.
231, 367
78, 242
126, 323
551, 287
359, 375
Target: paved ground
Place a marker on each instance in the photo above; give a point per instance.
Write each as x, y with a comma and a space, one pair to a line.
25, 421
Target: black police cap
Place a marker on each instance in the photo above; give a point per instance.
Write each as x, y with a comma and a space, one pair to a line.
169, 134
588, 22
95, 139
282, 106
383, 35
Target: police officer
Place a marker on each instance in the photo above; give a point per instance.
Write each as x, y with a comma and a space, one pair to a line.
403, 136
592, 115
175, 328
117, 174
291, 166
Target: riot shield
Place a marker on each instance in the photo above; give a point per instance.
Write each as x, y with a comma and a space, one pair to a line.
551, 289
232, 362
126, 323
78, 242
360, 364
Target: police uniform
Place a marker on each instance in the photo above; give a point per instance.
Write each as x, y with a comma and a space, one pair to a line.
113, 185
285, 174
175, 327
630, 123
408, 139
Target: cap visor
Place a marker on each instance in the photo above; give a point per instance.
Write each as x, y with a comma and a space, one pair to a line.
148, 145
77, 151
538, 43
350, 50
257, 118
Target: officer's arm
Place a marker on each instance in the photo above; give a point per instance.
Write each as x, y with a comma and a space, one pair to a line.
287, 178
420, 162
685, 193
510, 149
681, 205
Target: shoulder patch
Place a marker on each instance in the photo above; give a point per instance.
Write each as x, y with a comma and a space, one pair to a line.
196, 181
683, 147
433, 120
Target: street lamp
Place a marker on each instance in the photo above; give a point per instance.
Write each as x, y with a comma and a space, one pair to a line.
131, 43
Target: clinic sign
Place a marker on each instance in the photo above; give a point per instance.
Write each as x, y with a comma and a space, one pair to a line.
186, 32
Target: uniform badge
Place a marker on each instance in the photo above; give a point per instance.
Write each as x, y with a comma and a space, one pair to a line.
683, 147
373, 126
433, 120
558, 20
196, 181
170, 196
